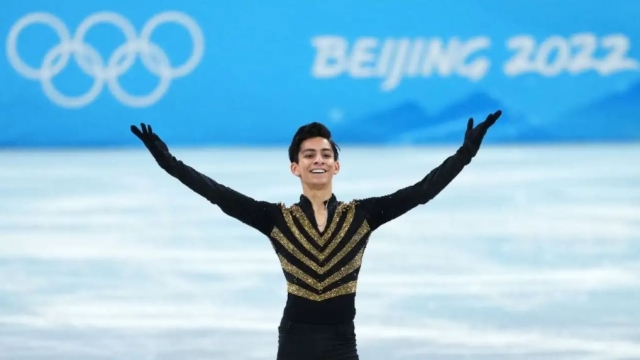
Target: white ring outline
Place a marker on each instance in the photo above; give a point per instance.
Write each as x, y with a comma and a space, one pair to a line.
152, 56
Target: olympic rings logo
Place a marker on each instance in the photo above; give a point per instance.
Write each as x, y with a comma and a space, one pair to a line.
91, 62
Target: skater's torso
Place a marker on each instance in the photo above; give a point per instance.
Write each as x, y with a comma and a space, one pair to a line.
321, 267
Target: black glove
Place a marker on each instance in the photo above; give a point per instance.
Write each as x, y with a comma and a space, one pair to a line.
474, 135
152, 141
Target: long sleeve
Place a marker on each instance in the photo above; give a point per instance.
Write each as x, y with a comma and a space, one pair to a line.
382, 209
257, 214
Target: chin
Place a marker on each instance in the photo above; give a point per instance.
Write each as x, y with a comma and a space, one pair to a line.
318, 182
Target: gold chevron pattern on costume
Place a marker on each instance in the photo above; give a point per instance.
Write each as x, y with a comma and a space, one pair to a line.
344, 271
320, 255
348, 288
276, 234
306, 224
322, 276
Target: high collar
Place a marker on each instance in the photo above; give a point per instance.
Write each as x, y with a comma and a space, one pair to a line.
306, 203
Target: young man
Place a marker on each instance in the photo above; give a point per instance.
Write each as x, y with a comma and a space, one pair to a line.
320, 240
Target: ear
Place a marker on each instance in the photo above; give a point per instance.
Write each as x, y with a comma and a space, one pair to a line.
336, 167
295, 169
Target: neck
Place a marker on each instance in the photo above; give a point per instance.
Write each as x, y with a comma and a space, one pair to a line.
317, 196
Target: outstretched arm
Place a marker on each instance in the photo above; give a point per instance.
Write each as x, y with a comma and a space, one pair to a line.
383, 209
254, 213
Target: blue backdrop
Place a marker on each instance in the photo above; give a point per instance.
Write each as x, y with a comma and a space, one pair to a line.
250, 72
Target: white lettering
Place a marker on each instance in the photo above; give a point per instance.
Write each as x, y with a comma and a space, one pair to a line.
574, 55
542, 60
413, 67
363, 56
385, 57
478, 68
521, 62
395, 73
617, 58
330, 58
585, 45
440, 56
392, 60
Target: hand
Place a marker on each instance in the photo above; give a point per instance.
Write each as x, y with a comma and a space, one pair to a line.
152, 141
473, 136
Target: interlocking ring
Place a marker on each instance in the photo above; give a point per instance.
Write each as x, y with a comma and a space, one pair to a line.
91, 63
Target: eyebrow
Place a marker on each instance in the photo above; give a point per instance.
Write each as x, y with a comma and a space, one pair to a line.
313, 150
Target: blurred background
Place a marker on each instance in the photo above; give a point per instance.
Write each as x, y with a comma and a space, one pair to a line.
531, 253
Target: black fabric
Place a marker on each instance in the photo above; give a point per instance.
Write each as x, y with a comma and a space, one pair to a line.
322, 285
298, 341
321, 268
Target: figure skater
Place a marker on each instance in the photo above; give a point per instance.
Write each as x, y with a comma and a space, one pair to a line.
320, 240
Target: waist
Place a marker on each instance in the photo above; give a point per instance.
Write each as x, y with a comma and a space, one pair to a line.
306, 328
338, 310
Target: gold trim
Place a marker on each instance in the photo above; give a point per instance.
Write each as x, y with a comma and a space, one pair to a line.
362, 231
348, 288
299, 214
346, 270
321, 255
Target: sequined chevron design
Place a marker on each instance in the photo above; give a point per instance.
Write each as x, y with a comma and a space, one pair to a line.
320, 266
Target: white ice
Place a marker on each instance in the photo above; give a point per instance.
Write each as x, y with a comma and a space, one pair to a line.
531, 253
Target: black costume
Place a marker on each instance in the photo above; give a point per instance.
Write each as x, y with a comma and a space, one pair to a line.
321, 268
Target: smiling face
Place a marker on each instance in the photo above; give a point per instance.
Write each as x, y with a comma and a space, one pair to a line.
316, 164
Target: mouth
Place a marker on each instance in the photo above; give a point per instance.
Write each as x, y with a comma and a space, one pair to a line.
318, 171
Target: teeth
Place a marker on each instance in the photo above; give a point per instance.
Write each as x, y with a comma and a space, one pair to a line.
317, 171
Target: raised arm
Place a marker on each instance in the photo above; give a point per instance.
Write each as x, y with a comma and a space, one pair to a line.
383, 209
257, 214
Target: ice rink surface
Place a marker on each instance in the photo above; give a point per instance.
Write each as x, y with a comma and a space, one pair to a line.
531, 253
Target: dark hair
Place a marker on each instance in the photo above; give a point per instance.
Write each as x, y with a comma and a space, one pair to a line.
308, 131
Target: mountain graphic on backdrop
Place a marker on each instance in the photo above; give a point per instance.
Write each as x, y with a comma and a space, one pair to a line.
615, 117
376, 127
449, 124
409, 123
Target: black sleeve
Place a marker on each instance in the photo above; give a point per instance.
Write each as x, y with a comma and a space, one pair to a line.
382, 209
257, 214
